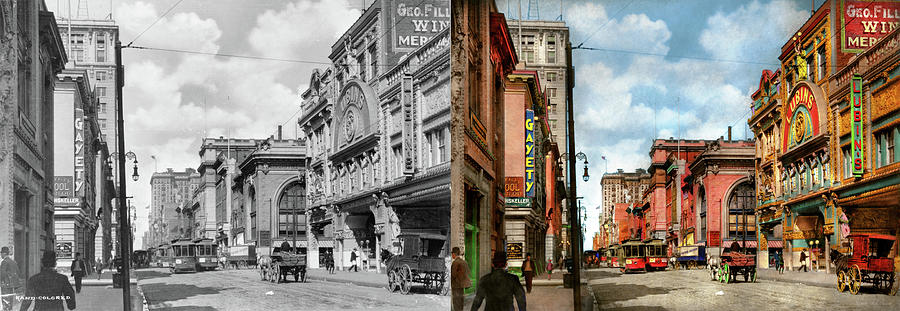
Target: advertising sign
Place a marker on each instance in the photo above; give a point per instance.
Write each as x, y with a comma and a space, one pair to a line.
518, 202
73, 202
409, 149
62, 186
529, 153
515, 186
864, 22
79, 151
514, 250
714, 239
856, 135
803, 114
416, 21
64, 250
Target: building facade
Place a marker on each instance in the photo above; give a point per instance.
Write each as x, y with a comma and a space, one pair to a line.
76, 185
378, 126
33, 54
618, 188
483, 53
212, 204
170, 192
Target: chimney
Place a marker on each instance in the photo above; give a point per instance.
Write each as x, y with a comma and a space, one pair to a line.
279, 132
729, 133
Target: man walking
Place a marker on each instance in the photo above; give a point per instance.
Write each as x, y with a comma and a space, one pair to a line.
330, 263
549, 268
9, 280
48, 288
78, 271
459, 279
803, 261
528, 271
353, 261
99, 268
499, 288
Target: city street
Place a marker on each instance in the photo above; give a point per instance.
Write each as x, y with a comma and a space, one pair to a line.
693, 290
243, 290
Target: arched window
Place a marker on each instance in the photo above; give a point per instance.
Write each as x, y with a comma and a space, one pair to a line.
702, 194
292, 211
740, 211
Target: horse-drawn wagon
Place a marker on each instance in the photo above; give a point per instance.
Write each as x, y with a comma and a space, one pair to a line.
733, 263
283, 260
419, 262
868, 262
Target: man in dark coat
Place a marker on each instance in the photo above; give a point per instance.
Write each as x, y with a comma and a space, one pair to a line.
499, 288
353, 263
79, 269
48, 289
9, 280
459, 279
528, 271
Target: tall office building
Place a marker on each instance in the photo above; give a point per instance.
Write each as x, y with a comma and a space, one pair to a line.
170, 190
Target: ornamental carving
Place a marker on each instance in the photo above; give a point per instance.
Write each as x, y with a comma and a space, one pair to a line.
885, 101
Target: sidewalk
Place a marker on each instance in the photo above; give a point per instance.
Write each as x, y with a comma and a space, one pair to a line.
819, 278
103, 298
105, 279
361, 278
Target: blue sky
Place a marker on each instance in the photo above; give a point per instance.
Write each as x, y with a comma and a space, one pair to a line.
623, 100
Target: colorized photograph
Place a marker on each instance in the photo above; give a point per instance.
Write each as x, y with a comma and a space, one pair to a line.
675, 155
225, 155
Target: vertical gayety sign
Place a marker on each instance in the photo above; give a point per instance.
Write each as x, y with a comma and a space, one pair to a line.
856, 125
409, 151
79, 151
529, 153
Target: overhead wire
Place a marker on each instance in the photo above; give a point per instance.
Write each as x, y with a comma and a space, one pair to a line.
154, 22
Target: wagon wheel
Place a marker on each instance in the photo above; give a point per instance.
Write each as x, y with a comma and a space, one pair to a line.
855, 279
753, 275
303, 274
894, 284
842, 281
274, 274
405, 279
746, 276
443, 285
392, 281
726, 274
296, 275
692, 265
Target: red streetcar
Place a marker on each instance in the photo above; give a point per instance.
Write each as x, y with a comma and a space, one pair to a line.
635, 256
615, 252
868, 262
656, 250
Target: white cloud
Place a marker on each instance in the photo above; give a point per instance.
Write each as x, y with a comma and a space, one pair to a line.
302, 26
633, 32
740, 34
184, 31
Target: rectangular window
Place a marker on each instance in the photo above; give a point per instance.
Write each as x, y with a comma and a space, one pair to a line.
551, 76
361, 61
889, 146
77, 43
820, 55
529, 56
102, 107
847, 164
101, 50
878, 157
551, 57
442, 146
811, 67
101, 91
101, 75
373, 60
102, 123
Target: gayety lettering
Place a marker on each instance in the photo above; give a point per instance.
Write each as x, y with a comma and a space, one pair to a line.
529, 153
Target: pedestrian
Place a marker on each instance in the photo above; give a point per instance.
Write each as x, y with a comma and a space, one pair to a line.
779, 262
814, 260
803, 261
48, 288
99, 267
353, 264
78, 271
498, 288
331, 262
9, 280
528, 271
459, 279
549, 268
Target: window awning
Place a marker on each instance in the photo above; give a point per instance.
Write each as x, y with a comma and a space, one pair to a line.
750, 244
776, 244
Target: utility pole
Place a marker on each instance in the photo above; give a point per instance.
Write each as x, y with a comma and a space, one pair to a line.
124, 226
575, 231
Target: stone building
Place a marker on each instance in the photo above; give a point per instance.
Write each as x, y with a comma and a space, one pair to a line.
32, 54
377, 124
76, 184
483, 54
212, 205
170, 192
620, 187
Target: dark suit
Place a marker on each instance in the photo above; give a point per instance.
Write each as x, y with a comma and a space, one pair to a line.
78, 274
9, 281
52, 288
499, 288
528, 273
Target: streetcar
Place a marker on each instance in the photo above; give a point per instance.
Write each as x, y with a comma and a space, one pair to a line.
161, 256
140, 259
656, 251
206, 251
614, 254
184, 256
635, 256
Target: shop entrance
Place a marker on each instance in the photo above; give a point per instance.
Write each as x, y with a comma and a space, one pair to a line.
473, 208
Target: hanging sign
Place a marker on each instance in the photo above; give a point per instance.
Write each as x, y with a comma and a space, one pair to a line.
865, 22
514, 250
529, 153
62, 186
417, 21
79, 151
856, 136
514, 187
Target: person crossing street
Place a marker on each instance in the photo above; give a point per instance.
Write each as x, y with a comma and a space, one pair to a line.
79, 269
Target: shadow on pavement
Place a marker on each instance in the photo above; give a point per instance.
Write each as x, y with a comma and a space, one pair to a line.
625, 292
189, 308
149, 274
639, 308
174, 292
602, 274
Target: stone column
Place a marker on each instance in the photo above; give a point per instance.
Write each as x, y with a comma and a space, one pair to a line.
377, 251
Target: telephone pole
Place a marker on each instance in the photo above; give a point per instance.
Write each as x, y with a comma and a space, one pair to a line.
575, 230
124, 226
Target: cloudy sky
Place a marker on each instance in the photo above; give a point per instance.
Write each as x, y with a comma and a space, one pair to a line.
172, 100
665, 69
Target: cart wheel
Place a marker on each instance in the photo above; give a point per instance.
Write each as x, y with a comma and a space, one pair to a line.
842, 281
746, 276
296, 276
303, 275
753, 275
726, 274
392, 281
443, 285
855, 279
894, 284
692, 265
405, 279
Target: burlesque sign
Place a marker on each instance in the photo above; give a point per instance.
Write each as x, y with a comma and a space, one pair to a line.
529, 153
856, 125
416, 21
514, 187
79, 151
804, 121
62, 186
865, 22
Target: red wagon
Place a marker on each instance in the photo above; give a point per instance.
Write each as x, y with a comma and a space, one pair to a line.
868, 262
733, 263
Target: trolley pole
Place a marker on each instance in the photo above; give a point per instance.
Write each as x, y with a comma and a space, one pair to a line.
124, 226
575, 230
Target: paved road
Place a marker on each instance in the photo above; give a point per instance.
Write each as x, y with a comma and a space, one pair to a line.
243, 290
693, 290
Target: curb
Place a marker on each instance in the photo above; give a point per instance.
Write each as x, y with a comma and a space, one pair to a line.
357, 283
804, 282
101, 282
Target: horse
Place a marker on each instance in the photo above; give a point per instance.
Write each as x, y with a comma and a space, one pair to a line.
839, 260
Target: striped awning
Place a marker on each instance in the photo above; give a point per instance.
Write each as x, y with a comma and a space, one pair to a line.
776, 244
750, 244
325, 243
